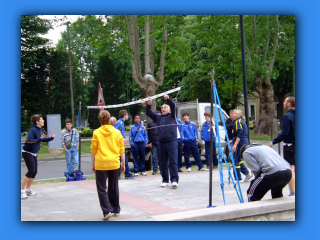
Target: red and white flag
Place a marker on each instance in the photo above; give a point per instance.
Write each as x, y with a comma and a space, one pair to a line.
100, 98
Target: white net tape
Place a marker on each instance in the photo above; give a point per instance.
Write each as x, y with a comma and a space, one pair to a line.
136, 102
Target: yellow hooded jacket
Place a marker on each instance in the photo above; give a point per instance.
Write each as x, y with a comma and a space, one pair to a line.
107, 144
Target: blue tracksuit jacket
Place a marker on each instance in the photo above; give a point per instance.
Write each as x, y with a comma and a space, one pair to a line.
190, 132
205, 132
141, 136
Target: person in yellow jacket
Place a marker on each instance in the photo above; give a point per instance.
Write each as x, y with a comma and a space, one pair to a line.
106, 147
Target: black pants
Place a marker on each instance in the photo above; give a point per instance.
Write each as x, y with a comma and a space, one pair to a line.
31, 163
274, 182
109, 200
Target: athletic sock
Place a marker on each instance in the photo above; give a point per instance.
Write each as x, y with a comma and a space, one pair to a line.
291, 194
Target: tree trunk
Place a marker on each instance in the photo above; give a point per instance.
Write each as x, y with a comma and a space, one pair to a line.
267, 108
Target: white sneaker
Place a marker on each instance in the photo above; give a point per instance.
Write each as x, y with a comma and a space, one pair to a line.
143, 174
248, 177
203, 169
23, 195
189, 169
174, 185
136, 174
106, 216
164, 184
29, 192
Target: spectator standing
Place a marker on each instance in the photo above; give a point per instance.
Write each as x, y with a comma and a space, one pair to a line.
138, 139
106, 147
70, 144
271, 171
205, 136
29, 153
153, 144
240, 138
168, 143
113, 121
287, 135
190, 141
123, 116
180, 135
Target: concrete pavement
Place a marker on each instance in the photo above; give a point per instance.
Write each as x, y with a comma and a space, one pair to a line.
142, 199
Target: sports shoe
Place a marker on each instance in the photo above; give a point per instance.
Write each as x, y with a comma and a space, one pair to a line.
154, 172
29, 192
143, 174
106, 216
115, 214
203, 169
130, 177
189, 169
174, 185
179, 170
136, 174
23, 195
164, 184
248, 177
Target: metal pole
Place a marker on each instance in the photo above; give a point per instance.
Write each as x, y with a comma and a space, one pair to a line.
80, 137
211, 141
245, 93
70, 73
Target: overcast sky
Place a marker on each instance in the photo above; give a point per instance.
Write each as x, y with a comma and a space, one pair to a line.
54, 34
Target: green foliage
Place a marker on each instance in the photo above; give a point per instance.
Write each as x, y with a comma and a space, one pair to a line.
86, 132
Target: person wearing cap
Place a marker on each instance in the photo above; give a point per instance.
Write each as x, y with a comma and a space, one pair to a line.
168, 142
205, 136
271, 171
288, 137
190, 141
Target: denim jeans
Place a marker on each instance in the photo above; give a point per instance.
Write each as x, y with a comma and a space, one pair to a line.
154, 155
71, 159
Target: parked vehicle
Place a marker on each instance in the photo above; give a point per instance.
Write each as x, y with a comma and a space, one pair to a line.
251, 123
196, 111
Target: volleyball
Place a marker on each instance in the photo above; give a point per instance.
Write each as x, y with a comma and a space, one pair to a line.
148, 78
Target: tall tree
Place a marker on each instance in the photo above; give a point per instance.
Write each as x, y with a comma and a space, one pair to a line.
262, 42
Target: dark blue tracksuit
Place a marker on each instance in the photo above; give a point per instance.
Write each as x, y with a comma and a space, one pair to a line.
288, 136
138, 139
190, 139
180, 128
168, 143
240, 130
205, 136
120, 126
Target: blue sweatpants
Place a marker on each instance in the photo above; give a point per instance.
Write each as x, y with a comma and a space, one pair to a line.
179, 153
138, 151
207, 154
193, 147
239, 164
168, 152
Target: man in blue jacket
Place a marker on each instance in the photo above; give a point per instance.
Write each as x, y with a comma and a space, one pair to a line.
288, 137
190, 143
168, 143
138, 139
123, 116
240, 138
205, 136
